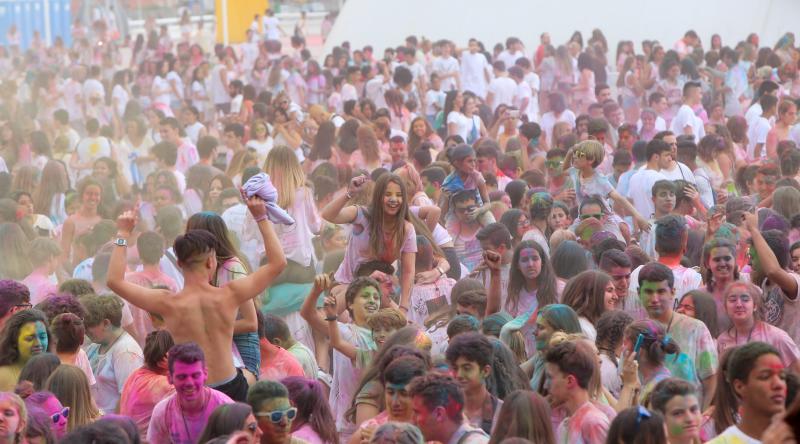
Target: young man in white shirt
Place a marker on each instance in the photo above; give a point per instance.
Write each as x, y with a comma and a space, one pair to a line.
512, 53
640, 187
674, 170
533, 81
475, 72
767, 87
523, 96
447, 68
686, 121
502, 88
757, 133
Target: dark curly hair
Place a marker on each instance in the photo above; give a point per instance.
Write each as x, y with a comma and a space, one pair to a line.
9, 345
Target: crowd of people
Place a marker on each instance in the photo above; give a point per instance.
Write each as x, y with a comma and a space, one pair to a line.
463, 245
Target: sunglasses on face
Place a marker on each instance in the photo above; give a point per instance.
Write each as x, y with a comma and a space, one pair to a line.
580, 155
56, 416
594, 215
276, 416
553, 163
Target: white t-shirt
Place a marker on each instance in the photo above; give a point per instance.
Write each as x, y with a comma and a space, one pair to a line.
753, 113
417, 70
510, 58
686, 117
349, 92
661, 124
270, 27
532, 79
162, 88
503, 90
175, 78
640, 190
90, 149
756, 134
524, 92
733, 435
93, 88
193, 132
296, 238
473, 73
218, 90
121, 97
549, 120
434, 97
446, 66
112, 369
679, 172
463, 123
686, 280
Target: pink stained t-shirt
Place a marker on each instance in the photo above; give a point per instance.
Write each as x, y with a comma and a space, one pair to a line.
587, 425
762, 332
140, 394
277, 363
40, 286
358, 251
169, 424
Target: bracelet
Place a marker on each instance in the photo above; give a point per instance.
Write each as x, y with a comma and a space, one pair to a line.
404, 308
260, 218
331, 318
348, 195
441, 272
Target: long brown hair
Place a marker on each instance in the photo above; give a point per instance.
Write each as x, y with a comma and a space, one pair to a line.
524, 414
585, 293
377, 218
546, 288
368, 144
71, 387
54, 181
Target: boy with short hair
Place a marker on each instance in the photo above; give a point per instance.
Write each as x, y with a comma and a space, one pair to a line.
569, 369
663, 203
470, 358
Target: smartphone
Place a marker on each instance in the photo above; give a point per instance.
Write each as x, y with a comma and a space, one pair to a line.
638, 344
514, 114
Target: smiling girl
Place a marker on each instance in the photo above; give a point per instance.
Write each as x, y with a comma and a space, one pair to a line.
744, 306
383, 232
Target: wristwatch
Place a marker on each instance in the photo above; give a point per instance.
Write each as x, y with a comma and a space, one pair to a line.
121, 242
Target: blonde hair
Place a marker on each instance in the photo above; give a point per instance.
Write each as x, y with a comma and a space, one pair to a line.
71, 387
238, 162
593, 149
368, 144
387, 318
412, 179
285, 173
22, 412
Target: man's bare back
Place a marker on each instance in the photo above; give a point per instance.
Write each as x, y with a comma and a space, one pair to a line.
201, 312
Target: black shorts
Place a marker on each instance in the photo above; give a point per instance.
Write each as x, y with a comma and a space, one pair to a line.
236, 388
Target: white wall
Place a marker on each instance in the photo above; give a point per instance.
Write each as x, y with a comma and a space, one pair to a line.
383, 23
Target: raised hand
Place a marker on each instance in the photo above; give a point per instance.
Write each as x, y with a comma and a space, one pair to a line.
126, 222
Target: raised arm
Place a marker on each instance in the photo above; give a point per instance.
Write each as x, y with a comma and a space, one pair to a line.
254, 284
308, 310
493, 302
336, 212
641, 222
154, 301
335, 337
768, 262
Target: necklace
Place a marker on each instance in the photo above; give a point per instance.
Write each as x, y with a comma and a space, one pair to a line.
183, 417
108, 347
669, 324
736, 334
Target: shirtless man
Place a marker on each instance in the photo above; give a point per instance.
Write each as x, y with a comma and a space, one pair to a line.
201, 312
